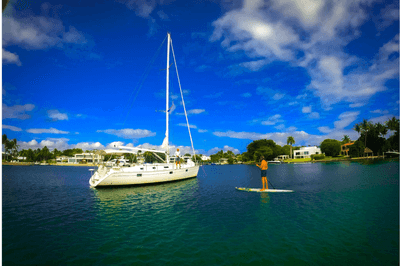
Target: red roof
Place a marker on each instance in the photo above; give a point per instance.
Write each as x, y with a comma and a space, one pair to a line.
348, 144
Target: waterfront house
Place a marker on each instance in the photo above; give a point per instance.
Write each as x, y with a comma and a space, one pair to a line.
223, 161
60, 159
306, 152
344, 149
282, 157
87, 157
205, 158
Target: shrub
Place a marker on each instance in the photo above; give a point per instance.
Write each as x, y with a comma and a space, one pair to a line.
317, 156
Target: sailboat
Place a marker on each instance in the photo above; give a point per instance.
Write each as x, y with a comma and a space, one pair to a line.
138, 174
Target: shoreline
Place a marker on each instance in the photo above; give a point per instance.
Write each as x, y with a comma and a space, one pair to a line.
250, 163
50, 164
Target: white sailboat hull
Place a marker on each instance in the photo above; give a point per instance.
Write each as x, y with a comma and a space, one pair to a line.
142, 174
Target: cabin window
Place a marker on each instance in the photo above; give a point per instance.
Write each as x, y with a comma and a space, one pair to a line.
139, 174
171, 172
187, 170
141, 168
154, 168
166, 166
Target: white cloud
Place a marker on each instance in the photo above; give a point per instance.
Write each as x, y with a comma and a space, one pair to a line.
246, 95
325, 129
37, 32
50, 143
59, 144
185, 125
272, 120
301, 137
346, 119
355, 105
254, 65
142, 8
89, 146
269, 95
380, 111
56, 115
17, 111
306, 109
313, 115
10, 58
270, 31
46, 131
195, 111
381, 119
129, 133
13, 128
279, 137
224, 149
278, 96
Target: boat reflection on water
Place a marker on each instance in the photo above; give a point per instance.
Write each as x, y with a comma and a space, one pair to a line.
146, 197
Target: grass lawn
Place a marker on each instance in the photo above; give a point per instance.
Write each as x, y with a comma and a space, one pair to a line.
302, 160
327, 158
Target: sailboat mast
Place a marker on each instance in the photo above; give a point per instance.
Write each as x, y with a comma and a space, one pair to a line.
167, 105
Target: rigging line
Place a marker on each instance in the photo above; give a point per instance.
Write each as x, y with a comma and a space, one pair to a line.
183, 102
143, 78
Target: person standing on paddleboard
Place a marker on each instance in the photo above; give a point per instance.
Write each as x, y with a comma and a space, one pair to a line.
263, 166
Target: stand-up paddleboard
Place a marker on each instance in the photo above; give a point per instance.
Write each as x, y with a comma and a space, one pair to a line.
259, 190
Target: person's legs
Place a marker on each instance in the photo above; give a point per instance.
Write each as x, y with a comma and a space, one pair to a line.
263, 182
266, 182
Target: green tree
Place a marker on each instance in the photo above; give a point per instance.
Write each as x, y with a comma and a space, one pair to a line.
393, 141
263, 151
331, 147
5, 142
197, 158
345, 139
363, 127
45, 153
258, 144
357, 149
56, 153
290, 141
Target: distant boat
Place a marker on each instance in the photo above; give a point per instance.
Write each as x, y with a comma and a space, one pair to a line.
117, 175
275, 162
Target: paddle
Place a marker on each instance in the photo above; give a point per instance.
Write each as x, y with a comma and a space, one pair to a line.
270, 184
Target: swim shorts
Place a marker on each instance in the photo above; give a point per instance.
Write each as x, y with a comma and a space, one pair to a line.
263, 173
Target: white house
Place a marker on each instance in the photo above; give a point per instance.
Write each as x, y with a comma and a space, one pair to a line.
306, 152
205, 158
89, 157
281, 158
60, 159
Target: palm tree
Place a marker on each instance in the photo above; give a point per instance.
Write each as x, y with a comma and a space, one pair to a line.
365, 127
392, 124
290, 141
346, 139
5, 143
382, 130
357, 128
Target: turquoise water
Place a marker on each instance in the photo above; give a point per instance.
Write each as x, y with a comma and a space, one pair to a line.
340, 214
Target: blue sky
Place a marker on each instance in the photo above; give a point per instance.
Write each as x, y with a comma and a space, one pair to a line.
80, 75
